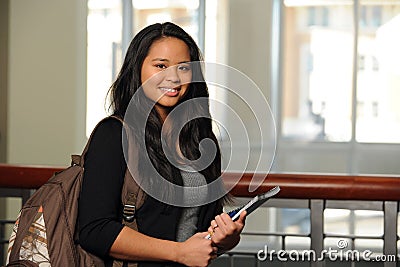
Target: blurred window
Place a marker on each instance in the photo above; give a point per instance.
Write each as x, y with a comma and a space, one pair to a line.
321, 90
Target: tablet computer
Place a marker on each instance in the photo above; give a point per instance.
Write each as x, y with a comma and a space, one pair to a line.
254, 203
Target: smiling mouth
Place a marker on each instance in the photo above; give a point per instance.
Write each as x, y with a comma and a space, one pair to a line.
169, 90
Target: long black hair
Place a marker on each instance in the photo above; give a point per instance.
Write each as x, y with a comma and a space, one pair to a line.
128, 83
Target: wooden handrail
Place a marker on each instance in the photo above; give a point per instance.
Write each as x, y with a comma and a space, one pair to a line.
25, 176
293, 185
321, 186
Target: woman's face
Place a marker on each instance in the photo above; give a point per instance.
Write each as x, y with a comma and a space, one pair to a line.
166, 73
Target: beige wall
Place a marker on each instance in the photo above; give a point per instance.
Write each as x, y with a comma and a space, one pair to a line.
47, 80
249, 39
249, 51
3, 77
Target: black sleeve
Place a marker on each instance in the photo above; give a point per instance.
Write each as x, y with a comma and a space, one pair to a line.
100, 197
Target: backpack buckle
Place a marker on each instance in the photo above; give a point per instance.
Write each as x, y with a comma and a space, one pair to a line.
129, 212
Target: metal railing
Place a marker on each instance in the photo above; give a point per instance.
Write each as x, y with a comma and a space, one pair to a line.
316, 192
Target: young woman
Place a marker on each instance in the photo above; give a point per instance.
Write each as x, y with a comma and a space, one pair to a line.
156, 73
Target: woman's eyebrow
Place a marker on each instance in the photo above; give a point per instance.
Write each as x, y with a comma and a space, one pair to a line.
160, 59
167, 60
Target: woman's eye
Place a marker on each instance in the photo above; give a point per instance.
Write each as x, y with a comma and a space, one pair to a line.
183, 68
161, 66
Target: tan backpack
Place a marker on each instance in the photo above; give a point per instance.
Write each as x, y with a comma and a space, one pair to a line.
45, 232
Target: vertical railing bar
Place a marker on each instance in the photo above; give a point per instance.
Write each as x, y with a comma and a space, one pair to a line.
390, 231
353, 246
317, 228
257, 263
2, 237
283, 236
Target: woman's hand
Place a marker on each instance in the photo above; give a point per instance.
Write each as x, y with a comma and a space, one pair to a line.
225, 233
197, 251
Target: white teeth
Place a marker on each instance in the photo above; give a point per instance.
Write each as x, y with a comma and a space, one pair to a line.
169, 90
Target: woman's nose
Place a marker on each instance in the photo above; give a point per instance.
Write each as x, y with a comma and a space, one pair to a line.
172, 74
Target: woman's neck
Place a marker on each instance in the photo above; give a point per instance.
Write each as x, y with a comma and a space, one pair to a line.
162, 112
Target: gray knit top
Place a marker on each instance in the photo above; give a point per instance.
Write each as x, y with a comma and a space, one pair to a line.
188, 222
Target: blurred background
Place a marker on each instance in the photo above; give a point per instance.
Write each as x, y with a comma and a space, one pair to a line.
329, 69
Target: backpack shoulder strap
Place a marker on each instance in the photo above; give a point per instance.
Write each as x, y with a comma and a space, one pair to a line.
133, 198
132, 195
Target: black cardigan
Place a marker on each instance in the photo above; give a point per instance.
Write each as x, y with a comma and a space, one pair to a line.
100, 207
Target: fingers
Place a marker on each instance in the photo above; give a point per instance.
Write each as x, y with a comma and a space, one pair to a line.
226, 225
242, 217
214, 254
224, 232
214, 224
212, 227
202, 234
198, 250
222, 222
